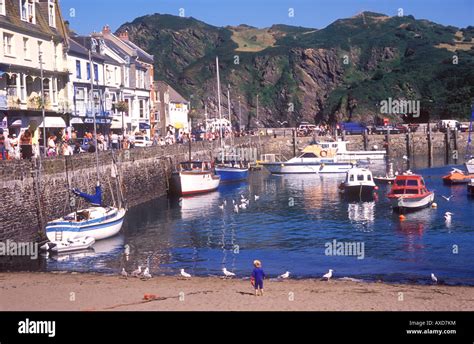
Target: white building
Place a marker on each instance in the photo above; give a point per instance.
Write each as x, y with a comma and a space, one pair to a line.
171, 108
34, 37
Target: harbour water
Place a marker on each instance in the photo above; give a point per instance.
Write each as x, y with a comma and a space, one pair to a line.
288, 229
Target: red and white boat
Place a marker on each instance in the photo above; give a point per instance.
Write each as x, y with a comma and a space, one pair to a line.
194, 177
409, 192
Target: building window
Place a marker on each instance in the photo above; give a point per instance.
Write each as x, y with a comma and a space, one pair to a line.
26, 49
96, 73
80, 102
88, 71
8, 44
27, 9
78, 70
142, 108
2, 7
52, 14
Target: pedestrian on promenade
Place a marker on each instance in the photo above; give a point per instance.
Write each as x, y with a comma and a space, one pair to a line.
257, 277
26, 144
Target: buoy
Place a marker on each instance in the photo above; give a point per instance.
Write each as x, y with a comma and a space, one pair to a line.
434, 205
402, 217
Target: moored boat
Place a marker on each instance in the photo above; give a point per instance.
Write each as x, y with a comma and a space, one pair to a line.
96, 222
343, 154
409, 193
359, 184
232, 173
389, 177
470, 187
314, 159
194, 177
70, 245
470, 165
457, 176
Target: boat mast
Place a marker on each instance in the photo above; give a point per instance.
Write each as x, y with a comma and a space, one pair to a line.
230, 114
91, 73
219, 101
469, 139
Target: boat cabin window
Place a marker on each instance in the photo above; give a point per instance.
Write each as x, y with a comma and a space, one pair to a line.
325, 146
369, 177
398, 192
351, 178
360, 177
334, 145
411, 191
309, 155
400, 182
411, 182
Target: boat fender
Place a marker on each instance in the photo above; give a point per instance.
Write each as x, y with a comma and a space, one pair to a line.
282, 165
402, 217
434, 205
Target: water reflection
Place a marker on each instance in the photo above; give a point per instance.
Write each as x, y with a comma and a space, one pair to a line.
413, 228
362, 215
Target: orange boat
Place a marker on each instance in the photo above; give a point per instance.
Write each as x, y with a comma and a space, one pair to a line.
457, 177
409, 193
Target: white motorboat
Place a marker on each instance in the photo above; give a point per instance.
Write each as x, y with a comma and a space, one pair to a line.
194, 177
388, 178
70, 245
343, 154
470, 165
96, 222
314, 159
359, 184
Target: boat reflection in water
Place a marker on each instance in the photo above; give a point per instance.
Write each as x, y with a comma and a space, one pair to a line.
362, 215
199, 205
413, 228
96, 258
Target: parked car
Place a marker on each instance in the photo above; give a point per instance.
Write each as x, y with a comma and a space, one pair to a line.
462, 127
306, 129
380, 129
143, 141
353, 128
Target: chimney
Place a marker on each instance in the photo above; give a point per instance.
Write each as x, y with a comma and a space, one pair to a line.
124, 35
106, 29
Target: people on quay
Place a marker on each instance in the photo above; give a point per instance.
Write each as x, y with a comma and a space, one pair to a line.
26, 144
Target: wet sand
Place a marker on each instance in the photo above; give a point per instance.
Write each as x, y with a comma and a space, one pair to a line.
93, 292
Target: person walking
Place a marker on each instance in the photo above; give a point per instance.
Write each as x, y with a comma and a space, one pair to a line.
26, 144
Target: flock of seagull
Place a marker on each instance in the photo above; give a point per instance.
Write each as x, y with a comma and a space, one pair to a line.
244, 203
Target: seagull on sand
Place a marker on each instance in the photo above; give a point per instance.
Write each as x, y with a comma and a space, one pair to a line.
124, 273
185, 274
328, 275
256, 198
285, 275
448, 198
146, 274
434, 278
137, 272
447, 216
228, 273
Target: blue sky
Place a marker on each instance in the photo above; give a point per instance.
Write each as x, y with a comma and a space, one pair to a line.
91, 15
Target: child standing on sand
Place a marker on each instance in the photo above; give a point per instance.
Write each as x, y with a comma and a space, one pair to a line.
257, 277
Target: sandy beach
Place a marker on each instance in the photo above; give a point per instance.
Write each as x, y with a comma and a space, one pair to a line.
93, 292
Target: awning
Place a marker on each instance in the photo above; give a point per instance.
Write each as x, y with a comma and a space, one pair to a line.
54, 122
77, 120
116, 123
16, 124
144, 126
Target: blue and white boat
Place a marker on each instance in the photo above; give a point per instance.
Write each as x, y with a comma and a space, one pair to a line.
232, 174
96, 222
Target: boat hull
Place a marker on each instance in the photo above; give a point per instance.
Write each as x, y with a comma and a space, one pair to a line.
470, 166
309, 168
470, 188
356, 192
457, 178
406, 204
193, 183
98, 229
362, 155
232, 174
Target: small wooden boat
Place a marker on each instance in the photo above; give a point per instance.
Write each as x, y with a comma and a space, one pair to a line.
389, 177
457, 176
409, 193
194, 177
69, 245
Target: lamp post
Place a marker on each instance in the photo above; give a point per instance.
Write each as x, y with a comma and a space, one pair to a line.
43, 114
122, 100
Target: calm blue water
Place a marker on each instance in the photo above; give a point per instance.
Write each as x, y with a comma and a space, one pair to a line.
287, 229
